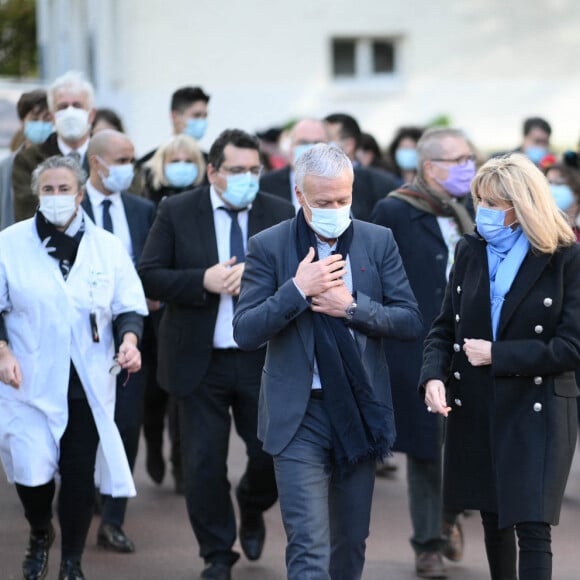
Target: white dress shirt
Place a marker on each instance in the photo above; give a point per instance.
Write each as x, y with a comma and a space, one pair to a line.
66, 149
223, 336
118, 216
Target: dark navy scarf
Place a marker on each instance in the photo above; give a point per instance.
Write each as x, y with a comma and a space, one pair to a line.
61, 247
360, 426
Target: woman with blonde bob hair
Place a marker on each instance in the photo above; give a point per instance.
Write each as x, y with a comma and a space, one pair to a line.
175, 167
499, 363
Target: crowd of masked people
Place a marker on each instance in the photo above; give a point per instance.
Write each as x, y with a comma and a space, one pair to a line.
174, 292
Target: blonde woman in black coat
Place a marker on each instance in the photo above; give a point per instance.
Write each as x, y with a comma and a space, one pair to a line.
499, 363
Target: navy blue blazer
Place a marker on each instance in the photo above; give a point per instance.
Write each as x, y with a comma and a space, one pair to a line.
272, 311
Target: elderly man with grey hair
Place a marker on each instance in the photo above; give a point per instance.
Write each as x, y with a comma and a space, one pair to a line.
71, 104
323, 291
427, 218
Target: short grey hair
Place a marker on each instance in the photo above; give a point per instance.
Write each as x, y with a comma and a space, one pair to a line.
322, 160
58, 162
75, 81
429, 145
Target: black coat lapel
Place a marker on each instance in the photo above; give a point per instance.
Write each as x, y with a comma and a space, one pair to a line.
202, 214
86, 205
530, 270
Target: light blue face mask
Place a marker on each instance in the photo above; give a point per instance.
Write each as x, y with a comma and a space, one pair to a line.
38, 131
181, 173
536, 154
563, 195
120, 176
406, 158
329, 223
241, 189
195, 128
299, 150
490, 225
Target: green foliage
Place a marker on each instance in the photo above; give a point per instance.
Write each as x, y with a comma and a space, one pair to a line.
18, 49
442, 120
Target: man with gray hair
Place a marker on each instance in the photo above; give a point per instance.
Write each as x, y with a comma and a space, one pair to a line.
71, 104
427, 218
322, 291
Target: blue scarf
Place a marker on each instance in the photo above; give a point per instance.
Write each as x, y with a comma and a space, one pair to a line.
361, 425
504, 260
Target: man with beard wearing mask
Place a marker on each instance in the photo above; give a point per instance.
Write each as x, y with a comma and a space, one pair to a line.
70, 101
427, 218
193, 262
129, 217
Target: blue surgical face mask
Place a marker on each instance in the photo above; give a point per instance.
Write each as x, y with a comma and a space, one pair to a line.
299, 150
490, 225
329, 223
563, 195
38, 131
241, 189
406, 158
195, 128
536, 154
120, 176
181, 173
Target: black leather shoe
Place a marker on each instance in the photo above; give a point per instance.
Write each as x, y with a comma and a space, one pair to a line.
155, 465
112, 537
216, 571
35, 564
70, 570
252, 535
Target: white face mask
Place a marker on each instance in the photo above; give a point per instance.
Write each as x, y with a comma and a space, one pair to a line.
329, 223
58, 209
72, 123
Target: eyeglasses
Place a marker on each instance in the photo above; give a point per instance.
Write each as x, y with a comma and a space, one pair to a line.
458, 160
238, 170
116, 369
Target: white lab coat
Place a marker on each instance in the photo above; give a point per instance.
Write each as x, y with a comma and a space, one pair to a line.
47, 320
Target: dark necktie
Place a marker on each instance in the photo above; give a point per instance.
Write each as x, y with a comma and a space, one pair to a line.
107, 221
236, 241
236, 237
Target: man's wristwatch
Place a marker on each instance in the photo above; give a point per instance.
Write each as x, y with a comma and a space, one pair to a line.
350, 310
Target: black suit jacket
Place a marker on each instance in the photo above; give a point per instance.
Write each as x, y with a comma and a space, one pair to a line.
180, 247
25, 162
370, 186
140, 215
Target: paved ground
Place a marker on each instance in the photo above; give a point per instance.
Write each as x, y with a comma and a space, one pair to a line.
166, 548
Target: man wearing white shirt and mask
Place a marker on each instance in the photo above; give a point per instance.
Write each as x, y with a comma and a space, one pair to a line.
110, 156
71, 103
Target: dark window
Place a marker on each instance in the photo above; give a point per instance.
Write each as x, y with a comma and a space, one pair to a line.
343, 57
383, 56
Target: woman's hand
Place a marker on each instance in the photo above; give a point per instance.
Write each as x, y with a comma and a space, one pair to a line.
477, 351
129, 356
10, 373
435, 397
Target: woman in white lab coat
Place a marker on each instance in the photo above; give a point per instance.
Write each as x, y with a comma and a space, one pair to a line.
67, 288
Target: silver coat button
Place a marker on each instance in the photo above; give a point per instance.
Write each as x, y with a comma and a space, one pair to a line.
538, 380
547, 302
457, 318
456, 347
538, 329
457, 375
458, 402
537, 407
458, 289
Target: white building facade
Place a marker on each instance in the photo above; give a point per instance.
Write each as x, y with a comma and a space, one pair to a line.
486, 64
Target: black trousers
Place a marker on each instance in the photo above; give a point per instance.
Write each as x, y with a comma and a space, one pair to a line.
128, 418
158, 403
232, 383
535, 555
78, 450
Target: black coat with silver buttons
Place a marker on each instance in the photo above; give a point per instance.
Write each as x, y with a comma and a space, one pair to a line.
511, 433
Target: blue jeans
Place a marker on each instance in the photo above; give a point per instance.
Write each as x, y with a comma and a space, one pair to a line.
326, 517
